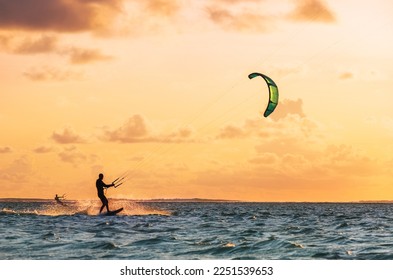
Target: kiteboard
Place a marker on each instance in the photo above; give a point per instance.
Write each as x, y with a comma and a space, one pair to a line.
112, 213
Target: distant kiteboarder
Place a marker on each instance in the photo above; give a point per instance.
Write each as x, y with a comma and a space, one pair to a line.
59, 199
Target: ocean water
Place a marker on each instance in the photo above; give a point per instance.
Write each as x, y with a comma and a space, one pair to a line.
176, 230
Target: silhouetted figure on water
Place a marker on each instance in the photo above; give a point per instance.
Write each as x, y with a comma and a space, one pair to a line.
100, 191
59, 199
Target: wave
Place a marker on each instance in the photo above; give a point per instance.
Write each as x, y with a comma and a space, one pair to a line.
155, 230
88, 208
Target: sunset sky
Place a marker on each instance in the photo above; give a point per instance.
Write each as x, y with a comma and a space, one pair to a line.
158, 90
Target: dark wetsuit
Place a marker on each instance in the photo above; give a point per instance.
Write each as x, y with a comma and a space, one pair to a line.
58, 199
100, 192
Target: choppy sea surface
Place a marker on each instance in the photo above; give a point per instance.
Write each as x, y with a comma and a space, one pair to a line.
39, 229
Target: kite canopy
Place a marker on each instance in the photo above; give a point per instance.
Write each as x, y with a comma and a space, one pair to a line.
273, 93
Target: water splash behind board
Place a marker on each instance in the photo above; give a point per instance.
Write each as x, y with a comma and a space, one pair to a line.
83, 207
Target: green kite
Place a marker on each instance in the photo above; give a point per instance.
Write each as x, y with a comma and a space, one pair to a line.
273, 93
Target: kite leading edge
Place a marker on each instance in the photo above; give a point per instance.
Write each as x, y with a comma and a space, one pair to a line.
273, 93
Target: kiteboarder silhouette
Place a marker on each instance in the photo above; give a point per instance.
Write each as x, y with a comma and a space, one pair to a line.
59, 199
100, 191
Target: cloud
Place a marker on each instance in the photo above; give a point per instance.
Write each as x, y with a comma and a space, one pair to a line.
312, 10
57, 15
299, 147
237, 1
345, 76
345, 160
286, 107
43, 149
284, 150
73, 156
238, 21
29, 44
235, 15
135, 129
235, 131
166, 8
381, 125
5, 150
253, 127
67, 136
301, 172
137, 158
18, 171
232, 132
51, 74
138, 130
292, 133
179, 135
5, 41
84, 56
43, 44
49, 44
265, 159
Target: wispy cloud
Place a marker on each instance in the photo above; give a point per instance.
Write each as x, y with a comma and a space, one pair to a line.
137, 129
85, 56
75, 157
18, 171
43, 149
312, 10
28, 44
239, 21
298, 171
232, 132
5, 150
31, 27
287, 107
67, 136
50, 44
240, 16
166, 8
250, 127
51, 74
57, 15
345, 76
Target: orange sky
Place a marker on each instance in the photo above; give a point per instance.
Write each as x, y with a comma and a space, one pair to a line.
159, 89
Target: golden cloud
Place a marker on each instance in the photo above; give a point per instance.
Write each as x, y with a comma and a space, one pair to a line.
312, 10
75, 157
57, 15
345, 76
232, 131
293, 109
51, 74
67, 136
138, 130
162, 7
5, 150
286, 107
28, 44
84, 56
18, 171
43, 149
240, 21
